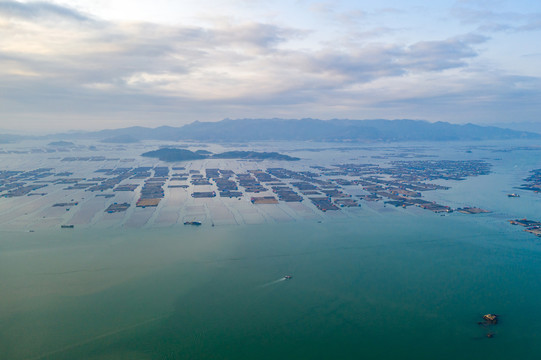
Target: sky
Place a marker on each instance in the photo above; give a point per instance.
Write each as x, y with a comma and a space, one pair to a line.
94, 64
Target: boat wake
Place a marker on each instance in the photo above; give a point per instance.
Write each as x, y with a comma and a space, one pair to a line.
273, 282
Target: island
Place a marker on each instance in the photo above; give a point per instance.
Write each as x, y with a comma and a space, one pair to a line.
173, 154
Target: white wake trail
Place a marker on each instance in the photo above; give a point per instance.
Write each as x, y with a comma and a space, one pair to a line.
272, 282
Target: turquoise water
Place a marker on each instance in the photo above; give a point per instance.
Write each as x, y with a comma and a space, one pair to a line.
385, 283
376, 287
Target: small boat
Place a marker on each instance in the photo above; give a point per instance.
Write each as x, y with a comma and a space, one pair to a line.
288, 277
196, 223
67, 226
513, 195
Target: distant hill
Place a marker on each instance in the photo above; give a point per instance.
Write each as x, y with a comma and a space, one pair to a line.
344, 130
121, 139
530, 126
314, 130
141, 133
61, 144
8, 138
171, 154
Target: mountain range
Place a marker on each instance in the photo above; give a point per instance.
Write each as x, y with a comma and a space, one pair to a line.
336, 130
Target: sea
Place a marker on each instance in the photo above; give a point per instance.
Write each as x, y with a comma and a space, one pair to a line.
376, 283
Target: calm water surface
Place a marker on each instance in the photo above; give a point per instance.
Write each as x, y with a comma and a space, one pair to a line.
386, 284
386, 287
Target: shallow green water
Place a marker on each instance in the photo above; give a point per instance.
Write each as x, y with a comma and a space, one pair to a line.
393, 287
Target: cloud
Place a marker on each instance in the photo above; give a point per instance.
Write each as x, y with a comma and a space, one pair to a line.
224, 61
491, 21
374, 61
480, 98
442, 55
39, 10
227, 68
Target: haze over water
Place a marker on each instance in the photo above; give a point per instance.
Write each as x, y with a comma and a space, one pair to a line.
379, 283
